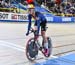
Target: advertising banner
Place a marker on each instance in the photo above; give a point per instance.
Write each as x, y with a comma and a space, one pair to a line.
4, 16
16, 17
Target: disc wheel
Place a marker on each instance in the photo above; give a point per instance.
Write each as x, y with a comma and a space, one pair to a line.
49, 47
31, 50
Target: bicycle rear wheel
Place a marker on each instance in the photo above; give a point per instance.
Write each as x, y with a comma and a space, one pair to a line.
49, 47
31, 50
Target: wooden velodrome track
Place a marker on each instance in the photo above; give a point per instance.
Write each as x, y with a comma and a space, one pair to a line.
13, 41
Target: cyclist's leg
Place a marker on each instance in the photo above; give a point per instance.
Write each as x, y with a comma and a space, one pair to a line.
45, 42
43, 31
36, 34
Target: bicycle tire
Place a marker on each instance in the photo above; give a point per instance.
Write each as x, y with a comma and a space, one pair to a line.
31, 51
49, 47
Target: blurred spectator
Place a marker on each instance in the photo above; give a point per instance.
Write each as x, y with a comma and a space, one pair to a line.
40, 2
62, 7
43, 5
1, 4
58, 2
30, 1
50, 4
68, 5
55, 6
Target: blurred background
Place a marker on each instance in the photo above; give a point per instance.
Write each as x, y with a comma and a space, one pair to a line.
57, 7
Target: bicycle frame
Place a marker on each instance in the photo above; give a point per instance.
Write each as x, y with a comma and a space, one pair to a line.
35, 37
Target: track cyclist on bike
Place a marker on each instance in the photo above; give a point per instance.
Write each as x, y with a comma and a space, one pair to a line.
40, 21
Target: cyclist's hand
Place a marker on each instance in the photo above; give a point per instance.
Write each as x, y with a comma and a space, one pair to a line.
27, 33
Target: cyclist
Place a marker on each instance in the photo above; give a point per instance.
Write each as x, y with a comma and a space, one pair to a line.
40, 20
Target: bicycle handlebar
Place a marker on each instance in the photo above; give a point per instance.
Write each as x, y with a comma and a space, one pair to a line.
32, 30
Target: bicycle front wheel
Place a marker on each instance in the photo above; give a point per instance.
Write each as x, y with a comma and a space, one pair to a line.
31, 50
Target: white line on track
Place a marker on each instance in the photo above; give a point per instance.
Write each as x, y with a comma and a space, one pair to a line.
11, 45
17, 47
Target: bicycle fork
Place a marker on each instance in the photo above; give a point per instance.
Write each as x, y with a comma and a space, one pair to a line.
39, 46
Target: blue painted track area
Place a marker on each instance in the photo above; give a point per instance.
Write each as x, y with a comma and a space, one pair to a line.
64, 60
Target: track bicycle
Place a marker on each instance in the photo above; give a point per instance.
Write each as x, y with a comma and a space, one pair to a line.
32, 47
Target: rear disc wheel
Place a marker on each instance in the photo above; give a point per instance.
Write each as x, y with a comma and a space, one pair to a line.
49, 47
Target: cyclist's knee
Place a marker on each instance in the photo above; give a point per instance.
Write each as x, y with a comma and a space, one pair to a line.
35, 27
43, 33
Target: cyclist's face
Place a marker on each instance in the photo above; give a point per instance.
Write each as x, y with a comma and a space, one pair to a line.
31, 11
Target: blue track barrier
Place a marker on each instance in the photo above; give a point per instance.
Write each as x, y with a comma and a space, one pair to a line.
60, 19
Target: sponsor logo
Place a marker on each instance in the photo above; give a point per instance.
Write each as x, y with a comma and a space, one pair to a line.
66, 19
19, 17
49, 18
14, 16
3, 16
22, 17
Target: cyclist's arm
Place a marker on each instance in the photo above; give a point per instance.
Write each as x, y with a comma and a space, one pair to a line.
38, 26
29, 24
